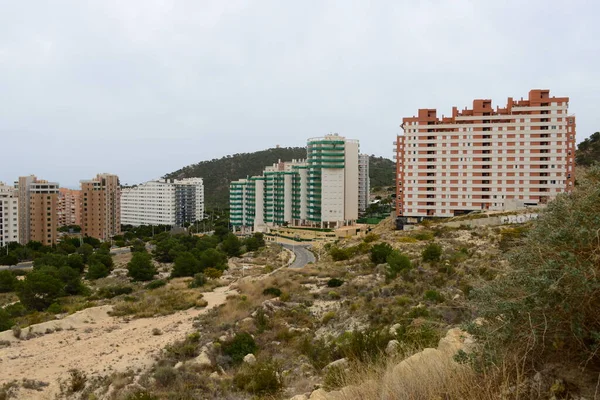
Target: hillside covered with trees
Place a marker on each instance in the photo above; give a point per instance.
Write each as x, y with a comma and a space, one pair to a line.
219, 172
588, 151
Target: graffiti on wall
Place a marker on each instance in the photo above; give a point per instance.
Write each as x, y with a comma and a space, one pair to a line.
518, 219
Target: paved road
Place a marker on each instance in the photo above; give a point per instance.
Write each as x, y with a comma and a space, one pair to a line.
303, 255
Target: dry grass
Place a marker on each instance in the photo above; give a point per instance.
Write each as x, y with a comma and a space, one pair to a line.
8, 298
447, 380
166, 300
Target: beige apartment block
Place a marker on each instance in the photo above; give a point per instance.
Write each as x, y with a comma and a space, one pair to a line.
69, 207
38, 215
485, 158
101, 207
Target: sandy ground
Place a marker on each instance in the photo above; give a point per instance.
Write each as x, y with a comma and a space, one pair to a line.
95, 343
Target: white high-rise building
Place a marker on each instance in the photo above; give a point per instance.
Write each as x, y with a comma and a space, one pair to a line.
163, 202
364, 184
9, 215
321, 191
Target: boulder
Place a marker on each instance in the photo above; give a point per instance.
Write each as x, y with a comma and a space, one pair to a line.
203, 359
250, 359
178, 365
341, 363
318, 394
394, 329
392, 347
299, 397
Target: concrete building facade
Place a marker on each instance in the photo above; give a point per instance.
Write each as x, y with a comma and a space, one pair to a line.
321, 191
69, 207
485, 158
38, 210
364, 183
9, 215
101, 207
163, 202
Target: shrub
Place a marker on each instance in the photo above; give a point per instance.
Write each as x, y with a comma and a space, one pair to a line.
39, 289
16, 330
155, 284
339, 254
423, 235
238, 347
550, 297
185, 265
335, 282
434, 295
397, 262
198, 281
141, 268
363, 346
380, 252
328, 316
371, 237
272, 291
334, 295
213, 273
260, 379
8, 281
418, 336
97, 270
109, 292
432, 253
76, 382
6, 321
165, 375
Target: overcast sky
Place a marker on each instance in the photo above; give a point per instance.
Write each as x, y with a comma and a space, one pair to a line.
141, 88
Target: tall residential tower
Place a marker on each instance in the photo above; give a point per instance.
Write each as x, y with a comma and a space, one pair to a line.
101, 207
9, 215
38, 215
485, 158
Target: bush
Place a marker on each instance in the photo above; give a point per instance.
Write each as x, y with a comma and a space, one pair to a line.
112, 291
39, 289
8, 281
141, 268
156, 284
238, 347
335, 282
97, 270
213, 273
260, 379
198, 281
364, 346
397, 263
6, 321
432, 253
434, 296
272, 291
339, 254
185, 265
165, 375
550, 297
423, 235
371, 237
380, 252
76, 382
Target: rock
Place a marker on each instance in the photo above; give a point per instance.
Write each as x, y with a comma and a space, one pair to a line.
223, 338
250, 359
214, 375
203, 359
178, 365
299, 397
455, 340
394, 329
392, 347
341, 363
318, 394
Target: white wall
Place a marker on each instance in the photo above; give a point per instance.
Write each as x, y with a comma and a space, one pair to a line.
351, 181
332, 194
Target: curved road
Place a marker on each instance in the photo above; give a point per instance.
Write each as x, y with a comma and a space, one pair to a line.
303, 255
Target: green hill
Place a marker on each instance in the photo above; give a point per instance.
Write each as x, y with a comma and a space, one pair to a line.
588, 151
381, 172
219, 172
